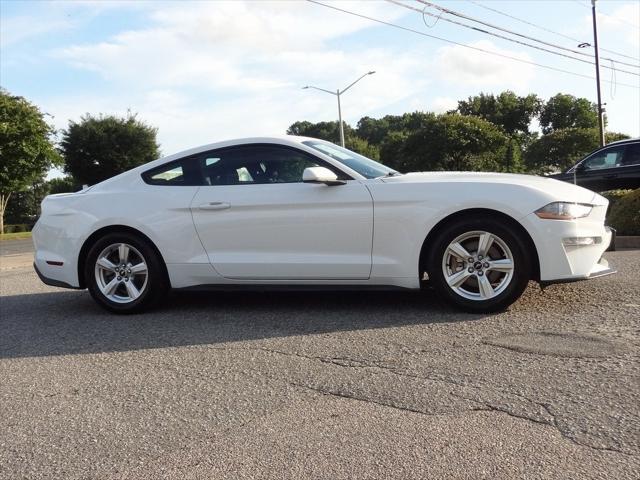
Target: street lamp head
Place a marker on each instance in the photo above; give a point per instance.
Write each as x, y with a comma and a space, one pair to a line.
371, 72
303, 88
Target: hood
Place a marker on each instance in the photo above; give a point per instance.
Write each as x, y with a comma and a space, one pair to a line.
561, 191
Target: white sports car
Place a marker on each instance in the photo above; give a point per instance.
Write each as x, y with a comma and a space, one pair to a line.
293, 211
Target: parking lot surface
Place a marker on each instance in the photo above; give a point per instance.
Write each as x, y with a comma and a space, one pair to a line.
320, 385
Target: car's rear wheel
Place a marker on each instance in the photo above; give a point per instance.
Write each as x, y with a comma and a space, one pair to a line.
124, 274
479, 264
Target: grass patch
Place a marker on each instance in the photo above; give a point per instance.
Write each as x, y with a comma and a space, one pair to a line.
15, 236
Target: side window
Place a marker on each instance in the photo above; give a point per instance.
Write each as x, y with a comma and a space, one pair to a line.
631, 155
607, 158
181, 172
258, 164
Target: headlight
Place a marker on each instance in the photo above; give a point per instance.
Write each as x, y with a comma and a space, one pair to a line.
564, 211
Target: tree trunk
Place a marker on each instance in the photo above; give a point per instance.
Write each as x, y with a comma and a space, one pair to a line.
4, 200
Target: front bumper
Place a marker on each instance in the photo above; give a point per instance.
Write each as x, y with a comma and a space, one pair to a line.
601, 269
562, 255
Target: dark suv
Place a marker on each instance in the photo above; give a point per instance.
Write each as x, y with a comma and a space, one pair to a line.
616, 165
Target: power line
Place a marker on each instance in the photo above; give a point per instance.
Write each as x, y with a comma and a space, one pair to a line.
453, 42
499, 12
511, 32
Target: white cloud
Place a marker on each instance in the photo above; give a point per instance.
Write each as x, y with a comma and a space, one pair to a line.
623, 20
443, 104
227, 69
464, 66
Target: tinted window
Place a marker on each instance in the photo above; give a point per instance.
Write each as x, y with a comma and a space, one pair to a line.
258, 164
607, 158
631, 155
180, 172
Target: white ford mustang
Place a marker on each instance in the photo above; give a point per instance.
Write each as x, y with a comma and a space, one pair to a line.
294, 211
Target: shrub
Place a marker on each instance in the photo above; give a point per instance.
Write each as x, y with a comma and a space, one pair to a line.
21, 227
624, 212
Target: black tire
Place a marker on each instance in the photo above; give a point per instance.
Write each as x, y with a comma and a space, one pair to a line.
155, 288
509, 293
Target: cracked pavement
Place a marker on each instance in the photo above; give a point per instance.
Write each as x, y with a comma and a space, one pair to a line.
321, 385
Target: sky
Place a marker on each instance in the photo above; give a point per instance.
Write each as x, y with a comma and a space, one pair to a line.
204, 71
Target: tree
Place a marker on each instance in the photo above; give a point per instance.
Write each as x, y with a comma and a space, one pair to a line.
566, 111
26, 152
560, 149
375, 131
455, 142
62, 185
323, 130
511, 112
100, 147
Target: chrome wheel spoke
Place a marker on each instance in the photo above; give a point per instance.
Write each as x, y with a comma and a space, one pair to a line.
471, 272
105, 263
110, 287
139, 268
123, 253
485, 287
459, 278
484, 243
502, 265
459, 251
115, 276
132, 290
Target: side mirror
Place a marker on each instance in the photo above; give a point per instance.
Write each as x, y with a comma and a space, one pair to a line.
320, 175
581, 167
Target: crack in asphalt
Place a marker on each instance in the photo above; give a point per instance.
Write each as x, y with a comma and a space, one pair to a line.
346, 362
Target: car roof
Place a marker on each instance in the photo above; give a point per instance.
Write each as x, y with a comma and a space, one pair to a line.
625, 140
291, 140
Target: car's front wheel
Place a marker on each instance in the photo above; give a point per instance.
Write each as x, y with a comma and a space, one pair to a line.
479, 264
124, 274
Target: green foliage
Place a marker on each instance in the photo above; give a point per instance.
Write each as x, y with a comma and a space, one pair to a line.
62, 185
26, 152
362, 147
624, 212
455, 142
566, 111
561, 149
100, 147
19, 228
511, 112
323, 130
375, 131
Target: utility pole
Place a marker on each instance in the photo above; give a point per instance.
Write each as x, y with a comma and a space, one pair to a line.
597, 55
337, 93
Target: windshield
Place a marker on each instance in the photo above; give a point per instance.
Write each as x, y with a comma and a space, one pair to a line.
364, 166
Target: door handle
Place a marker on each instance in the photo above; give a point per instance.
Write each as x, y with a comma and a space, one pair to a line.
214, 206
613, 175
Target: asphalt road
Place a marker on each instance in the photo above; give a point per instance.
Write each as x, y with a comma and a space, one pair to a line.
320, 385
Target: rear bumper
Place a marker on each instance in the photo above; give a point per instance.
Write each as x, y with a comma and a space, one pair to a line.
51, 281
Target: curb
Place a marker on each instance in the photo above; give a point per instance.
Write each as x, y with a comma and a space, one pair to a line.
627, 241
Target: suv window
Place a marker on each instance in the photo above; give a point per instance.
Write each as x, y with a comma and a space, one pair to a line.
258, 164
631, 155
607, 158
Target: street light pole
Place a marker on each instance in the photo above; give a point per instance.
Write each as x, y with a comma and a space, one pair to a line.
597, 55
340, 120
337, 93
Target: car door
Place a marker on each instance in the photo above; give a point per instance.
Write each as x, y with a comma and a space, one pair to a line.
600, 171
629, 169
258, 220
